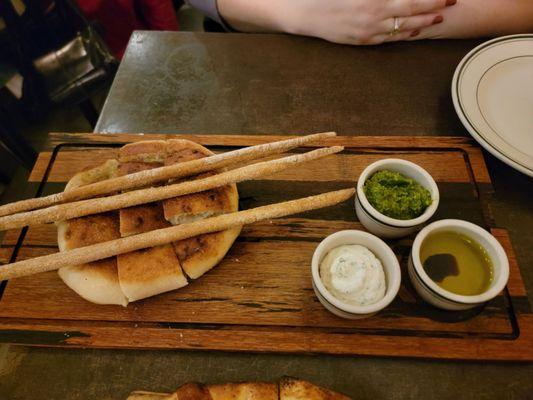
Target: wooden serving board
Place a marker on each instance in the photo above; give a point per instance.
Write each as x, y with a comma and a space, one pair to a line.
260, 297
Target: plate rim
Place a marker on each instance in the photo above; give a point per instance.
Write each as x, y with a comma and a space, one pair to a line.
457, 104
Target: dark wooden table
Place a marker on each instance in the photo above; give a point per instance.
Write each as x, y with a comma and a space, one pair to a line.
266, 84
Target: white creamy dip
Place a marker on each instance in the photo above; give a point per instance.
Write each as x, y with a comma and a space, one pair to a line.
353, 274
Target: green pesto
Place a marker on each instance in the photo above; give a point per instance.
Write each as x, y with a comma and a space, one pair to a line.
396, 195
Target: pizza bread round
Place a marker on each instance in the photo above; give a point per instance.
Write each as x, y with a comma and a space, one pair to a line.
144, 273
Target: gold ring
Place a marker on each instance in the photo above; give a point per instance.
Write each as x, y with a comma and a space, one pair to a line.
396, 27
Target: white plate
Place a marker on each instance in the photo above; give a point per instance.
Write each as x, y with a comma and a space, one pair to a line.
492, 91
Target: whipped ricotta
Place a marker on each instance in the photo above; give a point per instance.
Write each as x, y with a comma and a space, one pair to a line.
353, 274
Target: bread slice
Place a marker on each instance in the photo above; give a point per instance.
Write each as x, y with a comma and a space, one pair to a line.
131, 167
145, 273
199, 254
197, 206
155, 270
297, 389
145, 217
138, 219
96, 281
244, 391
148, 151
193, 207
180, 150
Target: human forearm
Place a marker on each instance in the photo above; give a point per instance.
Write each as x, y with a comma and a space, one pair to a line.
340, 21
255, 15
478, 18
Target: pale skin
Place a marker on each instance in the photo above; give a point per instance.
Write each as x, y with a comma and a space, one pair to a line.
482, 18
365, 22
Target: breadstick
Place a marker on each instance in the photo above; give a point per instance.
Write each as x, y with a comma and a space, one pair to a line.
149, 195
175, 171
159, 237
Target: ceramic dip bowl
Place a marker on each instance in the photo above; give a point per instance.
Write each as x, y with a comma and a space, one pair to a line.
382, 225
441, 298
381, 250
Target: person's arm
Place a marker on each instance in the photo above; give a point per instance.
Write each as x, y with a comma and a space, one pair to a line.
209, 8
480, 18
341, 21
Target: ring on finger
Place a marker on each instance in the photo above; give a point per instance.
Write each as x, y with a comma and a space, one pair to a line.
396, 27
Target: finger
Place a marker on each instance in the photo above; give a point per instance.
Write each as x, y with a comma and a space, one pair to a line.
405, 35
382, 38
410, 23
406, 8
401, 36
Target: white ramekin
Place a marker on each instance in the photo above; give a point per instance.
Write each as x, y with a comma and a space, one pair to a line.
380, 224
437, 296
380, 249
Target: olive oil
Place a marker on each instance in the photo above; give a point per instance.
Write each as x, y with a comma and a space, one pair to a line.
456, 263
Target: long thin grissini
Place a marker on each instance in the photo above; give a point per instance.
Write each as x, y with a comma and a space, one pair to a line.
159, 237
99, 205
175, 171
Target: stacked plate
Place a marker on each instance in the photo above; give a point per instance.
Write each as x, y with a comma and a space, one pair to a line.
492, 92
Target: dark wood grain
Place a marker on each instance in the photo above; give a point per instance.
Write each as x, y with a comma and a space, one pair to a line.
274, 308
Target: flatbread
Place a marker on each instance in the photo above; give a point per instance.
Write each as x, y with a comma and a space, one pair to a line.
244, 391
140, 274
297, 389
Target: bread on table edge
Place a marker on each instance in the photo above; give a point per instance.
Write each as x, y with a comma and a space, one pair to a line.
143, 395
193, 391
298, 389
244, 391
287, 389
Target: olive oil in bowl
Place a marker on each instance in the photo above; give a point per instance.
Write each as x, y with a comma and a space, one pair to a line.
456, 263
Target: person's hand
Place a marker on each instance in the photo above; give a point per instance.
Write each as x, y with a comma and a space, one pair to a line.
362, 22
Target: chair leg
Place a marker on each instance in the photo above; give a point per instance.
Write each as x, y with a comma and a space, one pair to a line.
89, 112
